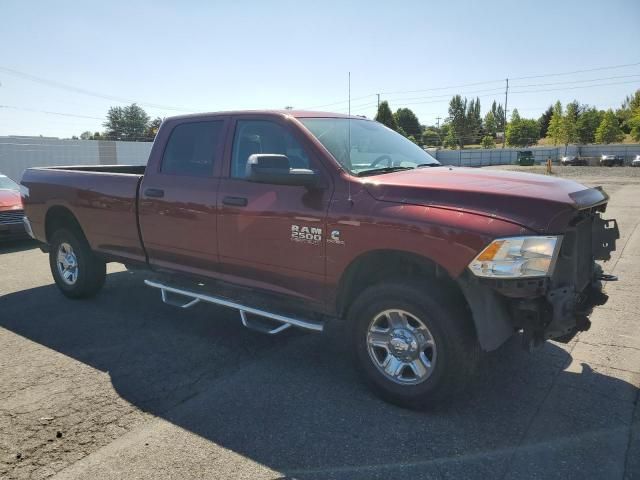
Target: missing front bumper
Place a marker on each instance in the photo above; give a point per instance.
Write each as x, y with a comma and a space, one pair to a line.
560, 314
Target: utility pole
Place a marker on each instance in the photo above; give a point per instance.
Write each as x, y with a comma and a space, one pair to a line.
378, 99
504, 126
438, 122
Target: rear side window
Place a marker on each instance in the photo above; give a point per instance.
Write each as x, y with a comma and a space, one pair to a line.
264, 136
192, 149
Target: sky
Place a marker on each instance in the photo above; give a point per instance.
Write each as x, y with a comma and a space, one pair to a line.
64, 63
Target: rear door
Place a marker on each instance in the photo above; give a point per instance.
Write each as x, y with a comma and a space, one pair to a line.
177, 206
273, 236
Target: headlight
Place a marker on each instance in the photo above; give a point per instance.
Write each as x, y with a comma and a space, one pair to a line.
517, 257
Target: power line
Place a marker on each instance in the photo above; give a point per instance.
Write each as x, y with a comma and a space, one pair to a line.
441, 88
494, 91
51, 113
578, 86
578, 81
495, 95
488, 82
64, 86
578, 71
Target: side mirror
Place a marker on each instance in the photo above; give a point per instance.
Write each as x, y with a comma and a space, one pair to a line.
275, 169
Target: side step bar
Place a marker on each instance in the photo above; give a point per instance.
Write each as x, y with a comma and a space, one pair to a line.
194, 298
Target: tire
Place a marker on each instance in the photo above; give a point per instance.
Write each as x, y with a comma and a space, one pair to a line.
88, 276
453, 356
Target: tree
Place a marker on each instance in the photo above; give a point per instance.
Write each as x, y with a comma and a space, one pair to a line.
86, 135
555, 124
385, 117
522, 132
569, 131
587, 124
126, 123
634, 121
465, 120
408, 121
627, 109
544, 121
457, 120
450, 140
152, 128
498, 113
474, 121
634, 124
488, 141
609, 130
431, 136
490, 125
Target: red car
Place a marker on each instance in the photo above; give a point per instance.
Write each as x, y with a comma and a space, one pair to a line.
11, 212
305, 219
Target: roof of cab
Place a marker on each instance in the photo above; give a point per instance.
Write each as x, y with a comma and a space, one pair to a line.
283, 113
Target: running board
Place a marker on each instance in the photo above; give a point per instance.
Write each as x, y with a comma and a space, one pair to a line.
193, 298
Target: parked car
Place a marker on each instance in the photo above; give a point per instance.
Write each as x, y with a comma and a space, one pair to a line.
612, 161
573, 160
11, 212
525, 158
311, 220
636, 161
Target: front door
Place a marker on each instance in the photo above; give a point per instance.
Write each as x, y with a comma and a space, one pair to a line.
273, 236
178, 198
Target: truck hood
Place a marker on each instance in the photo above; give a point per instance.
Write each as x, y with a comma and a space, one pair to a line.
538, 202
10, 200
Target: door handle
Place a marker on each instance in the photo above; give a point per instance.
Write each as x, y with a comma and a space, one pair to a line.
154, 192
235, 201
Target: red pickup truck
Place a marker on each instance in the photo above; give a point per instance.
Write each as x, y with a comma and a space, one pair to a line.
304, 219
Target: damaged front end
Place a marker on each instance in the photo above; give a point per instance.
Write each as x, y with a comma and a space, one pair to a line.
575, 288
555, 305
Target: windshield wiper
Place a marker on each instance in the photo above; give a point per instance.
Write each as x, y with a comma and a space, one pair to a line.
429, 165
376, 171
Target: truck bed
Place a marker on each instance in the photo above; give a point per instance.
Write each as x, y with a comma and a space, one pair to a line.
125, 169
103, 198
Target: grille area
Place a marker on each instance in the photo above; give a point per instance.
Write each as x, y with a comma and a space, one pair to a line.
584, 258
575, 262
11, 217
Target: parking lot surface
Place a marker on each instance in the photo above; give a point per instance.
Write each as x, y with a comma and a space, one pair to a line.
123, 386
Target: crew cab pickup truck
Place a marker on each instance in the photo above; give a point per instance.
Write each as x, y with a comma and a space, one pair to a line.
310, 220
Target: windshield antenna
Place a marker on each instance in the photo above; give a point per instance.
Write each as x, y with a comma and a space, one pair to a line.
349, 140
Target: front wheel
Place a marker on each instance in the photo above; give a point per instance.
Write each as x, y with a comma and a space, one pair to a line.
77, 271
414, 347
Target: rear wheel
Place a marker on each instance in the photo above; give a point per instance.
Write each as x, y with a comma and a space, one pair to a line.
77, 271
414, 347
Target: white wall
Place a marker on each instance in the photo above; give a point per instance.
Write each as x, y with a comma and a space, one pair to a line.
20, 153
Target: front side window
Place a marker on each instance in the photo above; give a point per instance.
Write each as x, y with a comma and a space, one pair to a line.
192, 149
366, 147
264, 136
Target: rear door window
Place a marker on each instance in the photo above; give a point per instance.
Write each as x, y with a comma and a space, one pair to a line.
192, 149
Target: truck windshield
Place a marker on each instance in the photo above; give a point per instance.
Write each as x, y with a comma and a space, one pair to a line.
365, 147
